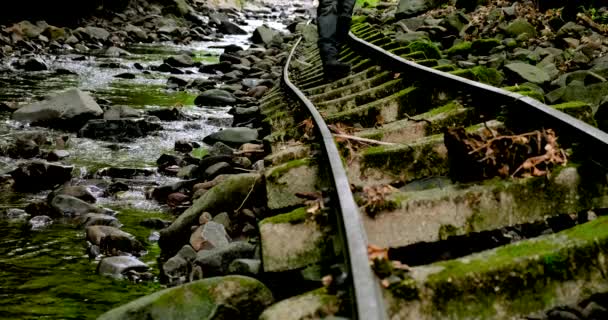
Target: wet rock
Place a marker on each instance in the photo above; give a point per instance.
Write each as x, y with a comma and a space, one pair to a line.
69, 206
257, 92
175, 82
98, 219
213, 68
116, 52
217, 169
39, 208
161, 193
23, 149
226, 196
227, 27
7, 107
526, 72
80, 192
96, 33
247, 267
215, 97
16, 214
118, 266
40, 222
233, 137
202, 299
57, 155
211, 235
125, 75
168, 114
32, 64
118, 112
155, 223
216, 261
177, 199
40, 175
112, 240
117, 187
120, 129
69, 109
125, 173
202, 84
180, 61
231, 48
263, 35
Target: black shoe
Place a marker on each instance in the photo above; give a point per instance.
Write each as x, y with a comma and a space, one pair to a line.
336, 70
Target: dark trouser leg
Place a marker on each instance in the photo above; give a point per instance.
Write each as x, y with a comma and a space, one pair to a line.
327, 20
345, 12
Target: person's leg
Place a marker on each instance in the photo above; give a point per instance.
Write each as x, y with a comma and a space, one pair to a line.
327, 21
345, 13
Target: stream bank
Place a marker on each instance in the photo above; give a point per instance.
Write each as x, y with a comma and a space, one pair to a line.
146, 65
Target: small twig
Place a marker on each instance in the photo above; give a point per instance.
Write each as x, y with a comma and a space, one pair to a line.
355, 138
248, 194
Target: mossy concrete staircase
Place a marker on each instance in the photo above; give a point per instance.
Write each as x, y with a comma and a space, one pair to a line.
404, 118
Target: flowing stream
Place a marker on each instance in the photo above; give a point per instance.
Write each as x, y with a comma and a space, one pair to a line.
47, 274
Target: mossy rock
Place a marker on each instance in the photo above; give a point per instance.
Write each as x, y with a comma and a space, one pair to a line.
430, 50
461, 49
310, 305
227, 196
229, 297
578, 109
487, 75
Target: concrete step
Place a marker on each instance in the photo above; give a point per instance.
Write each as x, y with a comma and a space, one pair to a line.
509, 282
433, 214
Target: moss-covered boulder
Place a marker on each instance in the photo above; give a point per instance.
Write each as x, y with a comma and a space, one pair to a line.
310, 305
227, 196
520, 26
231, 297
523, 72
461, 49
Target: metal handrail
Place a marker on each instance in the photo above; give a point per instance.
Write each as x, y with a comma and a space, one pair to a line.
369, 303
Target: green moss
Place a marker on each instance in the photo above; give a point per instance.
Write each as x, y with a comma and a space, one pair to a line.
406, 289
294, 217
446, 67
278, 171
521, 277
487, 75
465, 73
132, 217
137, 95
452, 105
428, 62
579, 110
430, 50
462, 48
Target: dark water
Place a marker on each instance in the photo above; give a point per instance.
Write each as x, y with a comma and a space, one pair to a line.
46, 274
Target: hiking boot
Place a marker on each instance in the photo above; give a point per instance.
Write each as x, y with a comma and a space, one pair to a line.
335, 70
